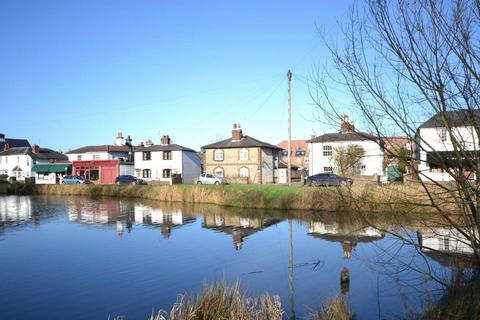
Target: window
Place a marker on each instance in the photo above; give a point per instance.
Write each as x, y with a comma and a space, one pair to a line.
443, 134
18, 159
146, 173
79, 157
146, 155
363, 169
219, 171
96, 157
284, 153
300, 153
28, 162
327, 151
94, 174
167, 155
167, 173
243, 154
244, 172
328, 169
218, 155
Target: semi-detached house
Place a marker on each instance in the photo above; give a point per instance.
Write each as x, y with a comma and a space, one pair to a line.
166, 162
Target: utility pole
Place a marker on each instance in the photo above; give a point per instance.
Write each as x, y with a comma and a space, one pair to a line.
289, 173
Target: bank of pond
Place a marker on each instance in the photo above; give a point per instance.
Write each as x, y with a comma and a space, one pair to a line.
79, 257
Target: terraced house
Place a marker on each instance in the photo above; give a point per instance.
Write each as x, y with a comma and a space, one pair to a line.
241, 159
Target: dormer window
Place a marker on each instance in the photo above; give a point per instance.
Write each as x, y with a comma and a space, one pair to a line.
244, 154
218, 155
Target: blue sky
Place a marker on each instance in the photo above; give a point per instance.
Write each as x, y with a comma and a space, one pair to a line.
74, 73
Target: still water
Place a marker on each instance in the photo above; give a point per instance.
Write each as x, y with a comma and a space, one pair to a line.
79, 258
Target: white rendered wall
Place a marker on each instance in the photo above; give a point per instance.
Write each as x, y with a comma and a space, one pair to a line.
156, 164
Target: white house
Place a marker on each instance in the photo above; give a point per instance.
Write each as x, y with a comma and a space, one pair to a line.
435, 143
166, 162
321, 150
120, 150
19, 162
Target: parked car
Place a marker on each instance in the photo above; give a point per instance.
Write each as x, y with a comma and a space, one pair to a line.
328, 179
128, 179
74, 180
208, 178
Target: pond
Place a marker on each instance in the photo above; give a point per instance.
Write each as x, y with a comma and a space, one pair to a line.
83, 258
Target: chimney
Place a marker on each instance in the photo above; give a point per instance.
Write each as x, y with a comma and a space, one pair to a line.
119, 139
236, 132
6, 146
2, 137
165, 140
148, 143
345, 125
141, 144
35, 148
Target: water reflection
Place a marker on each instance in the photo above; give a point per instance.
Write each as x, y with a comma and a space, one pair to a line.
15, 210
266, 258
239, 227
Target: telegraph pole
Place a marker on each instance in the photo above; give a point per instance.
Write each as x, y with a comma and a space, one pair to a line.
289, 173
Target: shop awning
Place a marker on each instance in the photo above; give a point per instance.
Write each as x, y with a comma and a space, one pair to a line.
54, 167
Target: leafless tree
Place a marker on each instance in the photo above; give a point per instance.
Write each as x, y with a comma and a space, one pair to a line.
404, 61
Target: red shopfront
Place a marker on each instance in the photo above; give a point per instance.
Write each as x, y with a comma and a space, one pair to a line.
97, 171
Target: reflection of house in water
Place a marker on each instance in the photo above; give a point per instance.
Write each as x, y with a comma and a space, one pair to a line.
15, 210
97, 212
166, 219
444, 245
349, 235
238, 227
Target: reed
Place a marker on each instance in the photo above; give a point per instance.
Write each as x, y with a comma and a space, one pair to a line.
218, 301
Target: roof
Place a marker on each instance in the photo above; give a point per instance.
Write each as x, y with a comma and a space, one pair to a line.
14, 143
245, 142
43, 153
456, 118
344, 136
283, 164
101, 148
164, 147
57, 167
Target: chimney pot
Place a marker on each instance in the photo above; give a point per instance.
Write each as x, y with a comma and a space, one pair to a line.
345, 125
6, 146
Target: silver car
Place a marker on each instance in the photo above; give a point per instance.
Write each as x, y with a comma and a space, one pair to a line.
208, 178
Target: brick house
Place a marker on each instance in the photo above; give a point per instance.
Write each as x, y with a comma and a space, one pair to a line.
241, 159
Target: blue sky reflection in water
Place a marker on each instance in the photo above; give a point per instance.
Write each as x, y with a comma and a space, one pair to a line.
79, 258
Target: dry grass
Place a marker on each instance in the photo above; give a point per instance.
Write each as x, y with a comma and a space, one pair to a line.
218, 301
359, 198
336, 309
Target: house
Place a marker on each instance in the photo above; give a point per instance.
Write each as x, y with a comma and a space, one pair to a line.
299, 160
322, 150
435, 150
26, 162
166, 162
397, 159
241, 159
103, 163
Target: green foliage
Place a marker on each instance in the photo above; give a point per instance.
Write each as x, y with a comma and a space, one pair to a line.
347, 160
3, 176
403, 156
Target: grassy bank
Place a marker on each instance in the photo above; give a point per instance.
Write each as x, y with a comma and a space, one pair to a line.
359, 198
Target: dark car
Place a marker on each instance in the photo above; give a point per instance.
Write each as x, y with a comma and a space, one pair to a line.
328, 179
128, 179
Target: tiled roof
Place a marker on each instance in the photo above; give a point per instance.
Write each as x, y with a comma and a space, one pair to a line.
245, 142
43, 154
14, 143
344, 136
101, 148
166, 147
456, 118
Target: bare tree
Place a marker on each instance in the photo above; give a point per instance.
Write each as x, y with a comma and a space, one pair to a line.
348, 160
404, 61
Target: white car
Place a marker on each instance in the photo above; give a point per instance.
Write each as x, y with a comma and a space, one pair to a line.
208, 178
